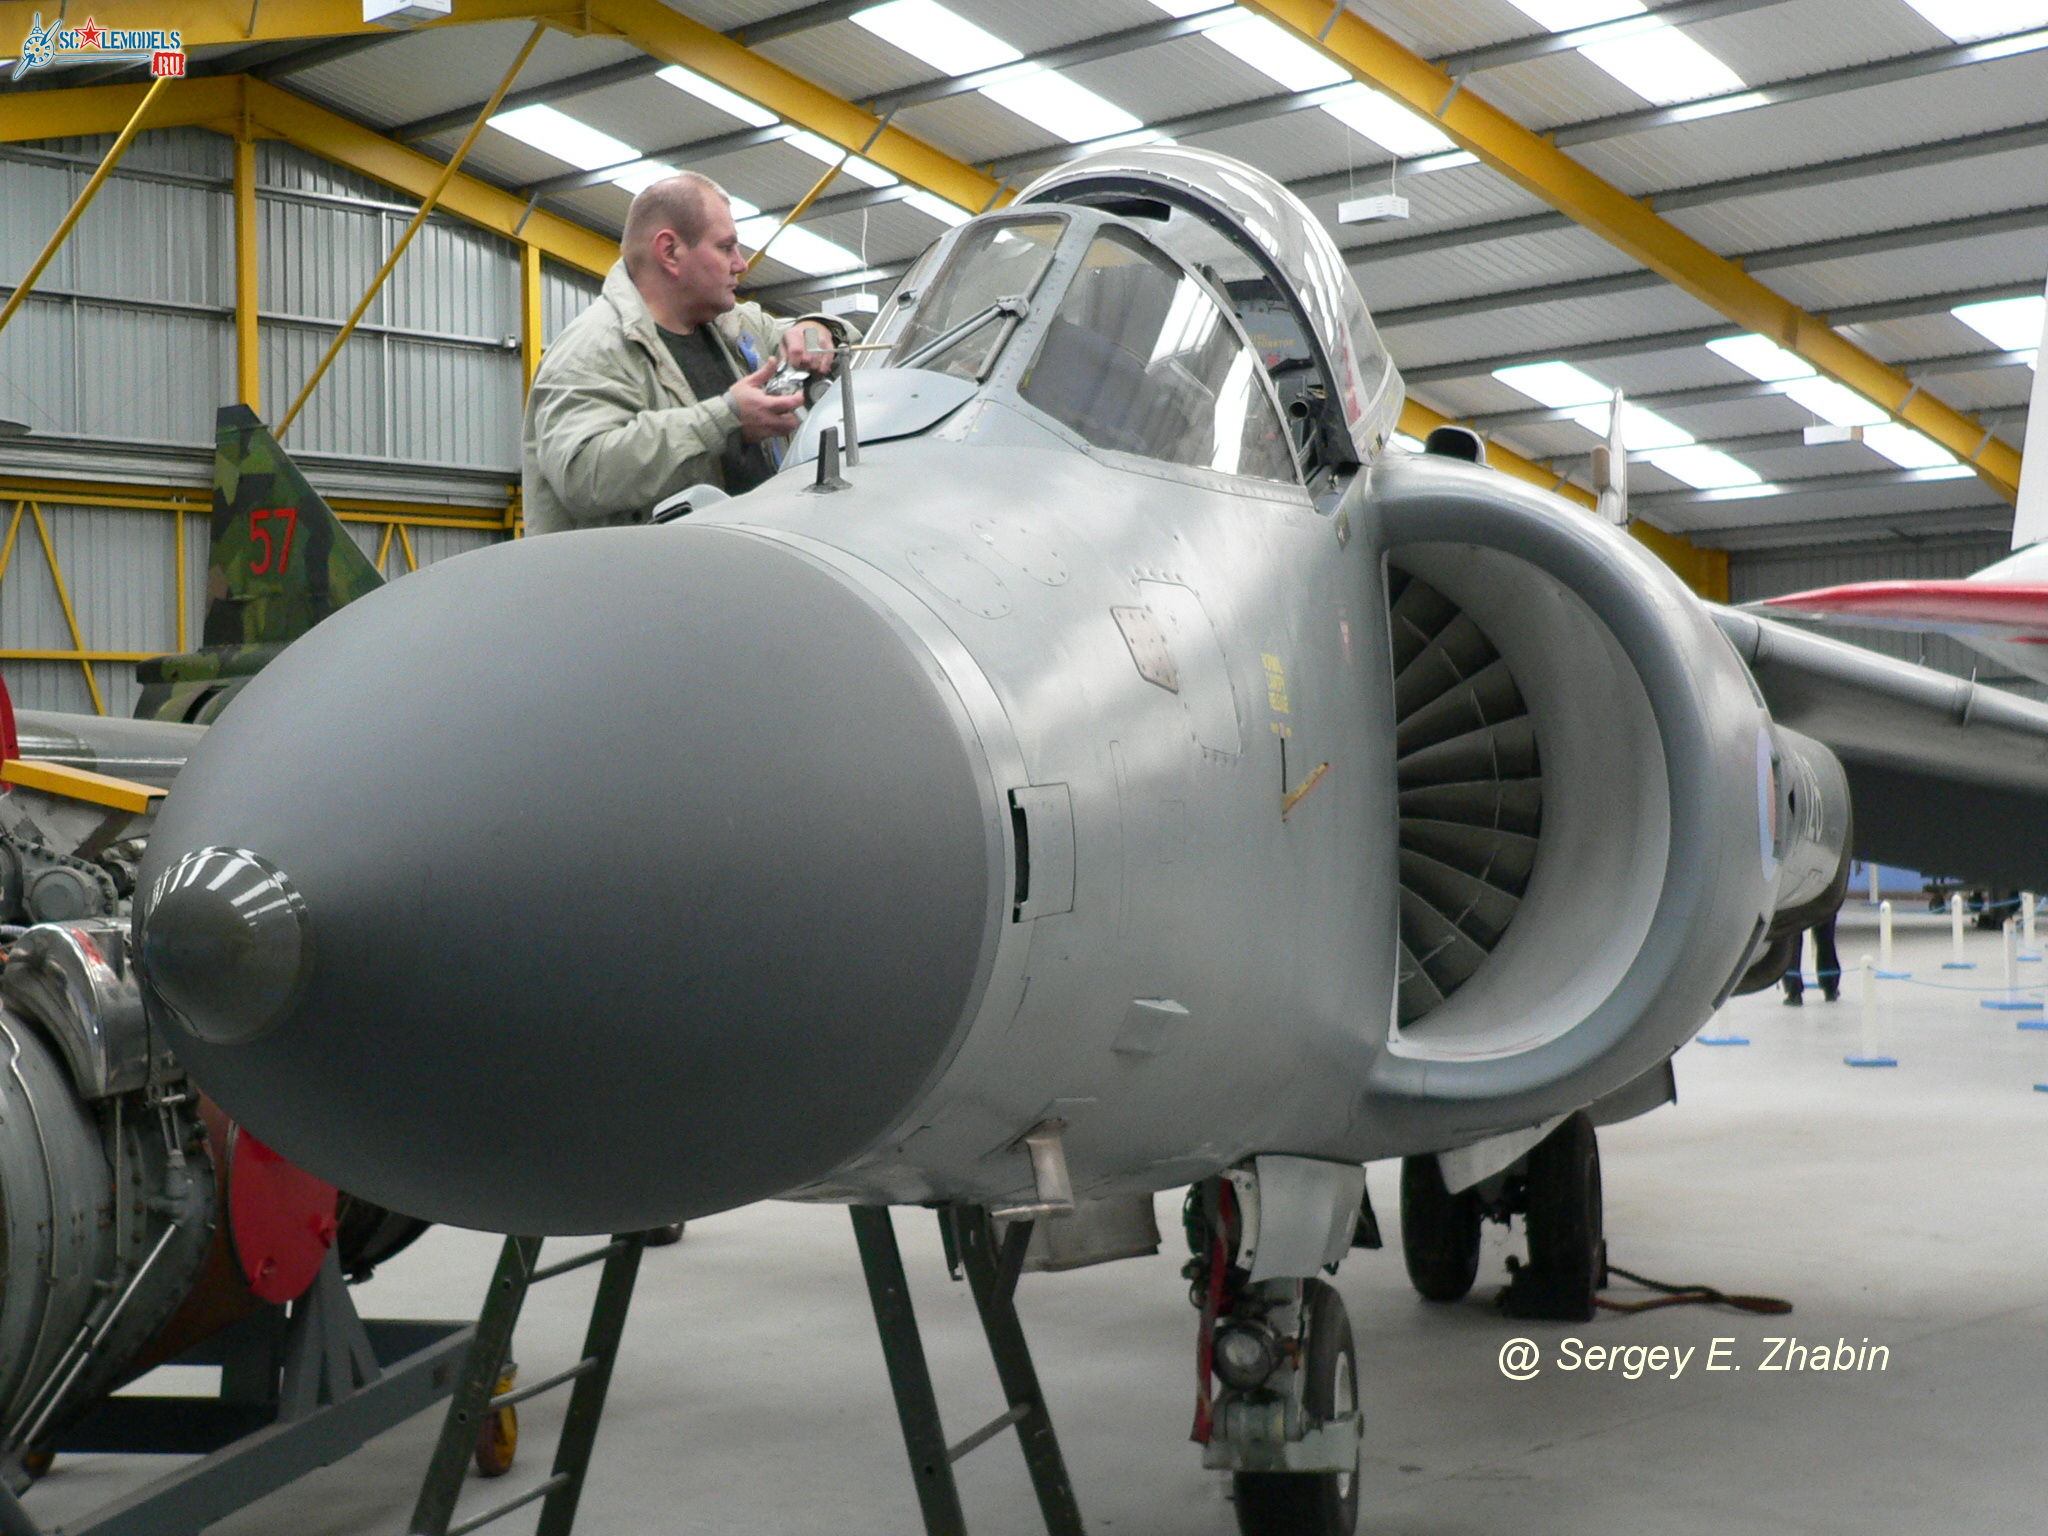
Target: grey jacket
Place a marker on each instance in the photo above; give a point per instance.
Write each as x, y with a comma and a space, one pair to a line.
612, 426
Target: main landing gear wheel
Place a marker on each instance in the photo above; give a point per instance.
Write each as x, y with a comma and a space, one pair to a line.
1311, 1503
1567, 1246
1439, 1231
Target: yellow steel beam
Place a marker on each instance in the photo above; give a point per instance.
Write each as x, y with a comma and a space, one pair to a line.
81, 784
1704, 570
654, 29
532, 329
248, 366
94, 109
197, 499
1631, 225
207, 22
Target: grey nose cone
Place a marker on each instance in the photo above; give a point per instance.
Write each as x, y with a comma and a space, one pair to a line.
227, 946
652, 872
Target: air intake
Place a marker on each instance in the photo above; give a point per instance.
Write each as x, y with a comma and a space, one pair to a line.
1471, 793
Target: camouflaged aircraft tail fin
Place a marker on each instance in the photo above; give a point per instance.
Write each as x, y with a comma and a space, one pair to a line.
281, 559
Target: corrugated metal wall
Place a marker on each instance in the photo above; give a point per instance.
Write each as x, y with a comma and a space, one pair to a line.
129, 339
1772, 573
564, 294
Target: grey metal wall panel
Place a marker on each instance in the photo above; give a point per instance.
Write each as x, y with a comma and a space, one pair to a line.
154, 240
38, 365
291, 169
1772, 573
317, 258
149, 375
432, 544
564, 294
457, 280
36, 198
119, 567
454, 405
347, 413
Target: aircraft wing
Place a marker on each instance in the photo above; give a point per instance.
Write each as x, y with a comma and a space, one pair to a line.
1998, 610
1947, 776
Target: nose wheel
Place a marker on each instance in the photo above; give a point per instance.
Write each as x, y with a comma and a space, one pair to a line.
1312, 1503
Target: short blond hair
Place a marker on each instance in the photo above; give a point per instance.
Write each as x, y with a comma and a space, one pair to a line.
681, 202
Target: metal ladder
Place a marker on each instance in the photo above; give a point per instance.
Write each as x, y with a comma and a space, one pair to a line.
477, 1395
993, 1267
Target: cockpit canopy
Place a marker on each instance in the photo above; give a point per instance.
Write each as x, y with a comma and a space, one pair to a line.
1283, 274
1181, 307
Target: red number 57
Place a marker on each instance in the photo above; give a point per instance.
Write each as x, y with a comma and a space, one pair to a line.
258, 534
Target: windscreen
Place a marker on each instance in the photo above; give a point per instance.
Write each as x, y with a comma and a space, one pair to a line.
994, 261
1141, 358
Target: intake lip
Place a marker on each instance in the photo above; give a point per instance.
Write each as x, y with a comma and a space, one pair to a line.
654, 871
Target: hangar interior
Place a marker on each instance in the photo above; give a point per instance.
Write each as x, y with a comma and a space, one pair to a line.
1805, 239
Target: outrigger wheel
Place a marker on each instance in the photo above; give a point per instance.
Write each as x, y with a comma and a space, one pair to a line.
1311, 1503
1439, 1231
1567, 1246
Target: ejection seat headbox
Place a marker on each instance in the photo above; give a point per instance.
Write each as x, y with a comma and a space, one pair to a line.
1275, 260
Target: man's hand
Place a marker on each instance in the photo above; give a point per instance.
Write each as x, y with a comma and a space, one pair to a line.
808, 345
761, 414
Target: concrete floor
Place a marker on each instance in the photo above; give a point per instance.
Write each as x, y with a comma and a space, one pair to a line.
1894, 1206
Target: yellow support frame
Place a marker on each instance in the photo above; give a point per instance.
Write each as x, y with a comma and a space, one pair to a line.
1633, 227
248, 356
24, 507
81, 784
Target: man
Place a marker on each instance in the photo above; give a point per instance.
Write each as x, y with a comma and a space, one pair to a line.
658, 385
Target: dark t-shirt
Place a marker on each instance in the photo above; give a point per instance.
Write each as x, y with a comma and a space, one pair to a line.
744, 465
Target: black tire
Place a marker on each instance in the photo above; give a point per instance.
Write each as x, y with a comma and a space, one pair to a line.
1439, 1232
1566, 1236
1311, 1503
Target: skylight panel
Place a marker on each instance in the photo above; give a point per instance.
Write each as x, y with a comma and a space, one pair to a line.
796, 246
1764, 359
1761, 358
828, 153
1400, 132
1705, 469
1664, 66
1060, 107
932, 206
1968, 20
1909, 449
558, 134
926, 30
1277, 54
638, 178
1835, 403
712, 94
1641, 430
2014, 324
955, 46
1659, 63
1557, 385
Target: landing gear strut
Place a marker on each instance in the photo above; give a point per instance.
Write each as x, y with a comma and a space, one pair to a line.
1286, 1423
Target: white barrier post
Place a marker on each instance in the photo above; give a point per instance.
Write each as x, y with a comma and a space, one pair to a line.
1809, 960
1868, 1056
2033, 948
1955, 961
1887, 969
1875, 895
2012, 1000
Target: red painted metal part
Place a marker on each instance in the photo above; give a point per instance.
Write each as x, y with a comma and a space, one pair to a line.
2010, 610
282, 1219
10, 743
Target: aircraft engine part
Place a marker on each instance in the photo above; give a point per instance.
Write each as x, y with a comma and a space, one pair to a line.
75, 981
106, 1212
1471, 786
1812, 828
1655, 864
832, 877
